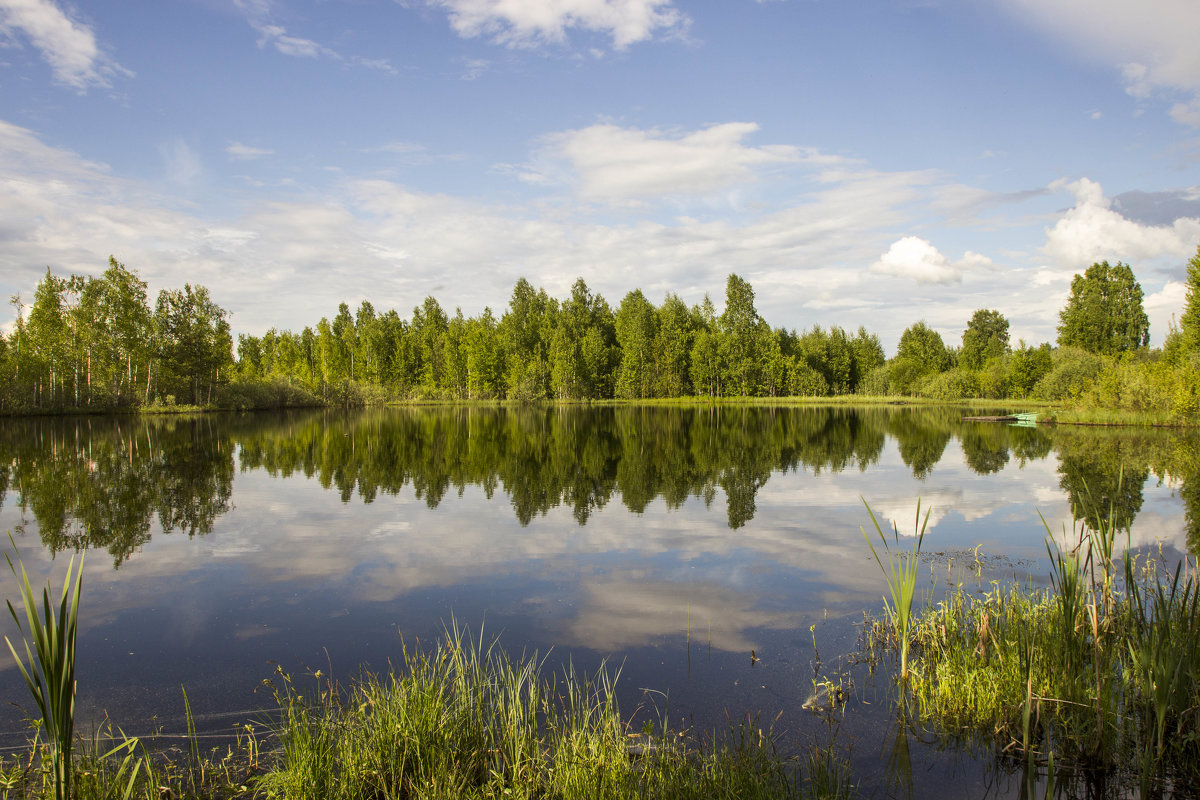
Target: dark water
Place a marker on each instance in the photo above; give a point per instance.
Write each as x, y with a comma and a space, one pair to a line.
672, 542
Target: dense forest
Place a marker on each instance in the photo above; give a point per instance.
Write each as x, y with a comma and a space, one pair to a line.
88, 343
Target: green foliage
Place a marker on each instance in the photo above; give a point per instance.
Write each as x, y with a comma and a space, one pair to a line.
636, 332
868, 356
986, 337
675, 329
245, 395
924, 347
194, 344
876, 382
1104, 313
1073, 372
1189, 322
1027, 366
1093, 674
707, 362
904, 376
921, 352
94, 344
804, 381
738, 343
49, 666
833, 355
955, 384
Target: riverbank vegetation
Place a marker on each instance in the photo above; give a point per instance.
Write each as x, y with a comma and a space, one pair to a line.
95, 344
1093, 682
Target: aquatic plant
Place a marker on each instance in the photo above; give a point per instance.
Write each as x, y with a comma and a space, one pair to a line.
49, 666
1095, 676
901, 575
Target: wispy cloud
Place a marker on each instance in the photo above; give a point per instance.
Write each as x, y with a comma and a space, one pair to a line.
527, 23
620, 166
259, 13
244, 152
69, 46
182, 163
474, 68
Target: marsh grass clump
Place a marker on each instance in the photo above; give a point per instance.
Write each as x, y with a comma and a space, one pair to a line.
1098, 674
465, 720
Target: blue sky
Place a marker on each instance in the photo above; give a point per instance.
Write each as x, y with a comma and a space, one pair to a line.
860, 162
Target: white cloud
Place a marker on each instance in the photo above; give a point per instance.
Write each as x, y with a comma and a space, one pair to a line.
525, 23
618, 165
1187, 113
290, 259
244, 152
382, 240
69, 46
1164, 305
918, 260
1152, 42
1093, 231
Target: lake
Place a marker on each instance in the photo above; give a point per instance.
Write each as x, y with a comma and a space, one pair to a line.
713, 554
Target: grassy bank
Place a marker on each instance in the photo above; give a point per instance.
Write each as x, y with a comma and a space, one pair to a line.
1112, 417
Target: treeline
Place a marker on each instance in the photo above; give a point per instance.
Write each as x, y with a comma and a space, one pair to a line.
576, 349
93, 343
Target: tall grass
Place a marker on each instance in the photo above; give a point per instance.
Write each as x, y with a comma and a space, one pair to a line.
901, 574
1097, 674
466, 720
49, 665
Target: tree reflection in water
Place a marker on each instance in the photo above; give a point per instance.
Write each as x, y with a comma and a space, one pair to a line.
107, 481
101, 482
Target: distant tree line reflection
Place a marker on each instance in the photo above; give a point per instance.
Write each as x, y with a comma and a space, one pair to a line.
105, 482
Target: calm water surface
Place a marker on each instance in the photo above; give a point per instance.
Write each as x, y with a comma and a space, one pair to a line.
673, 542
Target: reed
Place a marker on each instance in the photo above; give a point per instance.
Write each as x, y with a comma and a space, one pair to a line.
49, 664
901, 574
1094, 677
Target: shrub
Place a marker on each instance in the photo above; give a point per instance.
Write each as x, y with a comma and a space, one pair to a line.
1073, 373
957, 384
